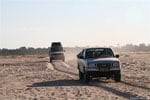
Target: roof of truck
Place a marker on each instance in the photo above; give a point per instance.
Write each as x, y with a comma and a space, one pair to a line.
98, 48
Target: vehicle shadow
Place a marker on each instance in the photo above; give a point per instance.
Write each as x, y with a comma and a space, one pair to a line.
63, 82
93, 83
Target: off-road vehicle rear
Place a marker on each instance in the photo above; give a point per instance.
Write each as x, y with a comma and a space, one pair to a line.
56, 52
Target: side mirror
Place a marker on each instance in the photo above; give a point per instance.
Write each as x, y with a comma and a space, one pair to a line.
117, 56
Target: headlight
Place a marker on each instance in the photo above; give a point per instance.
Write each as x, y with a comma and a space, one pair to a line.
91, 65
116, 64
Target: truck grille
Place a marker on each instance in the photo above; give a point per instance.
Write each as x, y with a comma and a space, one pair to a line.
104, 65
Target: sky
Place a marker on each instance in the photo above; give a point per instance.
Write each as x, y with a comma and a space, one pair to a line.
37, 23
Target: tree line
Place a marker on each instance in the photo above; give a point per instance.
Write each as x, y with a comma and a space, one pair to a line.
23, 51
32, 51
133, 48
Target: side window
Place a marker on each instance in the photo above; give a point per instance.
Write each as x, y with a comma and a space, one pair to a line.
83, 53
110, 52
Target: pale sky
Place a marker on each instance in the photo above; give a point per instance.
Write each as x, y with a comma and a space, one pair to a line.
37, 23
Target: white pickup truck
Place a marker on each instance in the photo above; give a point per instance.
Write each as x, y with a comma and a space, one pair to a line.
98, 62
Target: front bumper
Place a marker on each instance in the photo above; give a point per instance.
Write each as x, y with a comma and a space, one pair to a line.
103, 74
98, 69
57, 58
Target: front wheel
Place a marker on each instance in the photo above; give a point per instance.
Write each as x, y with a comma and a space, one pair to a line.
80, 75
117, 77
50, 60
86, 78
63, 59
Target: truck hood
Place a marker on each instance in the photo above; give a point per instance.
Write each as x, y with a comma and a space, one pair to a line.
103, 60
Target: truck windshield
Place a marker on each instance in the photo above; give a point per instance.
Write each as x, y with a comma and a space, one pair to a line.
99, 53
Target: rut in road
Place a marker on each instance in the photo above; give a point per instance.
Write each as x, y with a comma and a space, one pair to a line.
108, 86
61, 68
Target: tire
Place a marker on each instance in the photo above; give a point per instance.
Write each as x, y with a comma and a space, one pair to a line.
50, 60
80, 75
63, 59
108, 77
86, 77
117, 77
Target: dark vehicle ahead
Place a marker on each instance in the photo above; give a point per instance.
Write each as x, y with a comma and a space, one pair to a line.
56, 52
98, 62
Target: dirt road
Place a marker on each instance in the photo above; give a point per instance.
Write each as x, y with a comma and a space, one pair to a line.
34, 78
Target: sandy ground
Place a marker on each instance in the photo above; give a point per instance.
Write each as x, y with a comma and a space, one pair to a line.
34, 78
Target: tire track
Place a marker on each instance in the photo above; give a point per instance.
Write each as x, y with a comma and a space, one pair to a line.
65, 65
57, 66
